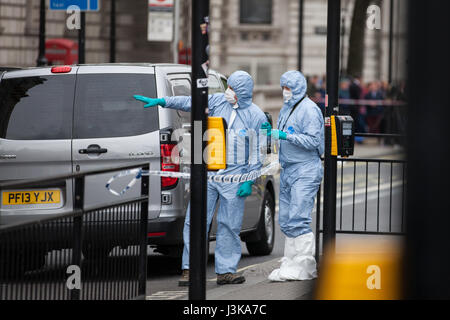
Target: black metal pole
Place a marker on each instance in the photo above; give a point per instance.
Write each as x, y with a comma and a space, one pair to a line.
300, 34
341, 63
427, 260
41, 60
143, 237
197, 258
82, 39
112, 36
329, 205
391, 38
78, 204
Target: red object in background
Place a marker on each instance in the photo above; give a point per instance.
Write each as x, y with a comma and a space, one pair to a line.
61, 52
184, 56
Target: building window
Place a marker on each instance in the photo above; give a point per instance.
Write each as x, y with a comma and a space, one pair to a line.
256, 11
263, 75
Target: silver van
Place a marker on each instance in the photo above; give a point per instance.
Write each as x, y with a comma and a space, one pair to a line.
69, 119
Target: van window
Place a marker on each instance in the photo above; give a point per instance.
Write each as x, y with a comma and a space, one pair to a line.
37, 108
105, 107
181, 87
224, 82
214, 85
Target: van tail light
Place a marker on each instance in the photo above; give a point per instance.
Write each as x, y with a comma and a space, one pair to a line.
61, 69
169, 163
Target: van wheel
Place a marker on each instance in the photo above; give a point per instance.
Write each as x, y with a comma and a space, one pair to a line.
265, 230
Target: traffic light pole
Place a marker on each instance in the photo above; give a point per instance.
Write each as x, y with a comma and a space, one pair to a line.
391, 39
112, 33
198, 185
41, 60
333, 41
82, 38
301, 5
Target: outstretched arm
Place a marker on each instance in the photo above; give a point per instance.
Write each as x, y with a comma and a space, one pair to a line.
183, 103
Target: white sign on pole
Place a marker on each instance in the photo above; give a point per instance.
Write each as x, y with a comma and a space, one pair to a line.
160, 20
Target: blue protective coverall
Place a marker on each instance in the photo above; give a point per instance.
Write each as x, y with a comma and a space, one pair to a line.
242, 157
299, 154
300, 178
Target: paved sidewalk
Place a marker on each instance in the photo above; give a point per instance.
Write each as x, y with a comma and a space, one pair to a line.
258, 287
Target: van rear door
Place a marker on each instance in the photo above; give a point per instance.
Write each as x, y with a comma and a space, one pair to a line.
36, 110
112, 129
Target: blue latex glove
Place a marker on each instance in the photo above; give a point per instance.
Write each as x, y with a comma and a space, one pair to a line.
278, 134
245, 189
266, 129
150, 102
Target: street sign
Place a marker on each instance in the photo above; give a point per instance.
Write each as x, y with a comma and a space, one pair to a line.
161, 3
84, 5
160, 20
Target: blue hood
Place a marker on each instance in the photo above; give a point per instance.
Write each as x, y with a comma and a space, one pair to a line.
295, 81
242, 84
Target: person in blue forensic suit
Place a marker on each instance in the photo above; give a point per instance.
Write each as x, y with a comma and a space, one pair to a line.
243, 118
301, 134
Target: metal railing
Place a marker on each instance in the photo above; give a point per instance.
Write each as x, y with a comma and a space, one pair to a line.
91, 253
371, 195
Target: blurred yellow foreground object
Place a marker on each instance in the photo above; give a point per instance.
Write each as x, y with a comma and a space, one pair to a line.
216, 149
362, 270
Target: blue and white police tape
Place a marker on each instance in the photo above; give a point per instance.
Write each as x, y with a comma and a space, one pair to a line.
212, 177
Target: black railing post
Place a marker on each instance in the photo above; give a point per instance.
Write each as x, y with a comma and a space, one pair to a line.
78, 204
330, 178
318, 224
197, 258
143, 236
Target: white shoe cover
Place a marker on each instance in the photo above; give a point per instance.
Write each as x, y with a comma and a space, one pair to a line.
298, 262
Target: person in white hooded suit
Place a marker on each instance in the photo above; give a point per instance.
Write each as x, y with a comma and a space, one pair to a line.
301, 135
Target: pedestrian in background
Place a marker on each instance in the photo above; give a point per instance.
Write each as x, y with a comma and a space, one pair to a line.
344, 93
358, 112
374, 112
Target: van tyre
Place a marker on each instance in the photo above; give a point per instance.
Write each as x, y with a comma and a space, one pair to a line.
265, 230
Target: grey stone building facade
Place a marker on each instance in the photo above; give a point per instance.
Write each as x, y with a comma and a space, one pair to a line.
259, 36
19, 30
